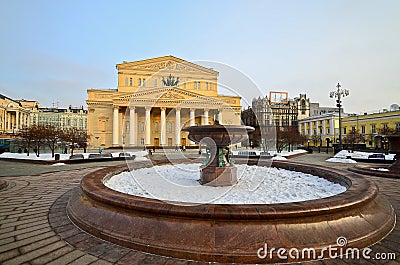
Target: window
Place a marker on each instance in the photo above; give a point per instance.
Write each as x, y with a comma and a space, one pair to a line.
142, 141
385, 127
363, 129
156, 127
130, 81
353, 129
144, 82
328, 130
397, 127
198, 85
344, 130
142, 127
206, 85
169, 127
373, 128
194, 85
140, 81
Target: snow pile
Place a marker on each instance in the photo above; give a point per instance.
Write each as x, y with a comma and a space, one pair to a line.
58, 164
32, 156
360, 155
279, 158
341, 160
380, 169
256, 185
140, 156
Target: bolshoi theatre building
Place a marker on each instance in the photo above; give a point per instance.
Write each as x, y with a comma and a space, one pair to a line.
155, 98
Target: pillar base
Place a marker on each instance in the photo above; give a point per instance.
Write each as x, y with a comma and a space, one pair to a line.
218, 176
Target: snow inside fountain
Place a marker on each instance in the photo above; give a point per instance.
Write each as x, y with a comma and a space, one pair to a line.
256, 185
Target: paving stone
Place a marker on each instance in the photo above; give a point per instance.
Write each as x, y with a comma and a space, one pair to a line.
17, 244
86, 259
54, 255
9, 254
34, 254
39, 244
5, 241
23, 231
22, 222
34, 233
63, 258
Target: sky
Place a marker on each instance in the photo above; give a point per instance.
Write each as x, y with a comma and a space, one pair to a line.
53, 51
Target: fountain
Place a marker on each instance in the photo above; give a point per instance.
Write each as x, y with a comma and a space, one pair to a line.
232, 233
218, 168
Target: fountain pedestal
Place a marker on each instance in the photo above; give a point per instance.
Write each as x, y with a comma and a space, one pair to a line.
218, 169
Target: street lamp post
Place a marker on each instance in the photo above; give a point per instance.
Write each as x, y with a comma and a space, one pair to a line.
339, 94
320, 139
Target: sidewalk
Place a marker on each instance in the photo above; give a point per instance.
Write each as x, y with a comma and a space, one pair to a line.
34, 227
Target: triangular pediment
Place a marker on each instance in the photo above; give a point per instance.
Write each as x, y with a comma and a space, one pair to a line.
166, 63
172, 93
165, 95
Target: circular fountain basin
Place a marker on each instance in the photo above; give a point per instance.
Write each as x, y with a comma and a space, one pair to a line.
233, 233
180, 183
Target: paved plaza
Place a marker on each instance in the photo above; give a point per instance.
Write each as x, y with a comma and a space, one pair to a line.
34, 227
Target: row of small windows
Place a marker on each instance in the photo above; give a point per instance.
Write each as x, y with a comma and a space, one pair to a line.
142, 82
373, 128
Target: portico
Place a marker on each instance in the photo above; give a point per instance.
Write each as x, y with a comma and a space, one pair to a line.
158, 121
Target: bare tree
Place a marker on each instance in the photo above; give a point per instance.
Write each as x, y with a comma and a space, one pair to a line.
74, 137
51, 136
354, 137
28, 135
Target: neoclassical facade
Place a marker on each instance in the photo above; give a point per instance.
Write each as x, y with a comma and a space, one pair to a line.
154, 100
13, 116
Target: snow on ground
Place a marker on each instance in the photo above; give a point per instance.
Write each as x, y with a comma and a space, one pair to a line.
342, 156
58, 164
341, 160
282, 154
361, 155
256, 185
140, 156
379, 169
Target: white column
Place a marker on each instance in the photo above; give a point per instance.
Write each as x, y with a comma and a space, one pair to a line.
16, 120
324, 127
332, 125
192, 120
147, 126
132, 126
163, 128
115, 135
310, 129
305, 128
9, 121
177, 126
205, 117
220, 116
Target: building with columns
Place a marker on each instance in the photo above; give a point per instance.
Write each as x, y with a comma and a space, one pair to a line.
13, 116
154, 100
320, 127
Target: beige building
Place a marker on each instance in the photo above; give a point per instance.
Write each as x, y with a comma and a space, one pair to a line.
13, 116
320, 127
154, 99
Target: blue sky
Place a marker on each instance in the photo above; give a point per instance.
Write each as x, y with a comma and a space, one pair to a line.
55, 50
